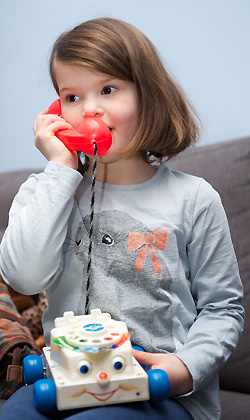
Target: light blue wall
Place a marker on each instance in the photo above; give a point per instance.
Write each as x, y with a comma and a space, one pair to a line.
205, 43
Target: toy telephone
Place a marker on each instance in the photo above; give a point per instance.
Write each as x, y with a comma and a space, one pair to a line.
90, 131
90, 363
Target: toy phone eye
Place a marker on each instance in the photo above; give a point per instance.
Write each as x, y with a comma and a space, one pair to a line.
85, 367
118, 364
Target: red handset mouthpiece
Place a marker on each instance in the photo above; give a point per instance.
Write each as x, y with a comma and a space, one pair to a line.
91, 130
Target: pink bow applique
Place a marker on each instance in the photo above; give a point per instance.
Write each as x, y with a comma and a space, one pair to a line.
157, 239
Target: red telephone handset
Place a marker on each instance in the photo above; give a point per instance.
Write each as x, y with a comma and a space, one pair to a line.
91, 130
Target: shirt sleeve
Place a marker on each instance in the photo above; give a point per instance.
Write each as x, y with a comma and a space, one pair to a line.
216, 288
31, 249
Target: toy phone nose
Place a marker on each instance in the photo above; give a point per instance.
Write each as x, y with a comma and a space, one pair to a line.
103, 378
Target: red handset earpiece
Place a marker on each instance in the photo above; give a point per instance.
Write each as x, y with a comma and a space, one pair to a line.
55, 108
91, 130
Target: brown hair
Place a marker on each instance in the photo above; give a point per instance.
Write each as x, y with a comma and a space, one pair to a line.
167, 121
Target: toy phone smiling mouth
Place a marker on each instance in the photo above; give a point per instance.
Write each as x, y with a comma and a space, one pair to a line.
90, 131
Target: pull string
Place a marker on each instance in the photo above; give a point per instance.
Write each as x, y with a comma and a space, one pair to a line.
92, 210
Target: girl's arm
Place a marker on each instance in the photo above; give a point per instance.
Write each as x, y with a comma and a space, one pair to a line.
31, 250
217, 292
216, 289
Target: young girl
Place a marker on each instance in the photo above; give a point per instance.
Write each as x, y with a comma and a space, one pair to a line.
162, 257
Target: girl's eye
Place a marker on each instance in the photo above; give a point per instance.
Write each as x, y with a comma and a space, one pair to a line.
107, 90
72, 98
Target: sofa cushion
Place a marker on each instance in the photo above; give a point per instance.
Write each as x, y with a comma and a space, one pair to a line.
234, 405
9, 185
1, 234
227, 167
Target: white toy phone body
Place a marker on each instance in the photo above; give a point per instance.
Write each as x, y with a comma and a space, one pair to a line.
91, 362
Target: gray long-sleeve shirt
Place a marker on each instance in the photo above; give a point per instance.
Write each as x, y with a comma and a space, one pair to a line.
162, 261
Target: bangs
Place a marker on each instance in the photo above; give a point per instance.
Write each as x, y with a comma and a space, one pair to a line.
90, 45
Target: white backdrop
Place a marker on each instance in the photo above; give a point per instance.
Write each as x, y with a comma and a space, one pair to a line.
205, 44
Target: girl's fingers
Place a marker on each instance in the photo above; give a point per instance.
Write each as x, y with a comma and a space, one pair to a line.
44, 112
44, 120
146, 358
45, 128
60, 125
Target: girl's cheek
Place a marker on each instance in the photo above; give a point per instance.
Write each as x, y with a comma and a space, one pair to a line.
71, 119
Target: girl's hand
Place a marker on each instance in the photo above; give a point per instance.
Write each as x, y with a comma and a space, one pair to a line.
180, 379
45, 127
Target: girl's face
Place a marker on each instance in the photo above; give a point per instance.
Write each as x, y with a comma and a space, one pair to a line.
88, 93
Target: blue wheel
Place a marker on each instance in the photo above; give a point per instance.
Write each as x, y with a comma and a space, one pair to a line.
44, 395
32, 369
138, 348
159, 386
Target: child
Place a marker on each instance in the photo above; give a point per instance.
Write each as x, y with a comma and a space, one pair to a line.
162, 257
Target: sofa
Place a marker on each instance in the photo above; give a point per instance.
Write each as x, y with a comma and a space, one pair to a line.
227, 167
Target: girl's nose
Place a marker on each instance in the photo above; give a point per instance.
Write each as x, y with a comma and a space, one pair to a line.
91, 108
